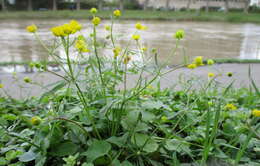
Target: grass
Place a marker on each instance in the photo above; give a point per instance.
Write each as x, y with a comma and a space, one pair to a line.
234, 17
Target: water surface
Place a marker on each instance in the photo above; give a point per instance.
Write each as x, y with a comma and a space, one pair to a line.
208, 39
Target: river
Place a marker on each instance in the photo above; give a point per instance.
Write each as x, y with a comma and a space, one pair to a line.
208, 39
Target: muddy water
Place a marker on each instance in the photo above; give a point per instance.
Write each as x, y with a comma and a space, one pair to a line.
211, 40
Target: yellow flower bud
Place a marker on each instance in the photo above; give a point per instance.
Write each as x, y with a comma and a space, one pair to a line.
96, 21
164, 118
256, 113
27, 80
36, 120
107, 28
192, 66
179, 34
198, 61
230, 107
117, 13
210, 62
211, 74
32, 28
1, 86
139, 26
136, 37
93, 10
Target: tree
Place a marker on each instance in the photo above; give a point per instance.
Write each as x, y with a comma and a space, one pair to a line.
167, 6
226, 6
121, 5
78, 4
188, 5
145, 5
246, 6
100, 4
29, 5
207, 5
54, 5
3, 5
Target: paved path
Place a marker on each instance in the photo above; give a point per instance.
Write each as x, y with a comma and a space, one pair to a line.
19, 89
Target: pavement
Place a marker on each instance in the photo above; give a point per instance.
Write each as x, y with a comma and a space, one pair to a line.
15, 86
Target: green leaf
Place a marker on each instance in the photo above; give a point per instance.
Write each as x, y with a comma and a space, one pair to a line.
28, 156
177, 145
87, 164
153, 104
12, 154
119, 141
3, 161
65, 149
144, 141
126, 163
97, 149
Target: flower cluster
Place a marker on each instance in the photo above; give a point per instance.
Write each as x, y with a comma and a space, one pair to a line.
81, 45
66, 29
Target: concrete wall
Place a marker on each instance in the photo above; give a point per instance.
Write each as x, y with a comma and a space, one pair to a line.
195, 4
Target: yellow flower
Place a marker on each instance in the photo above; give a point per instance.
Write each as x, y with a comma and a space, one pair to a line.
256, 113
116, 51
144, 49
32, 28
67, 29
93, 10
179, 34
136, 37
192, 66
230, 107
1, 86
210, 62
107, 28
139, 26
58, 31
96, 21
127, 59
81, 46
164, 118
117, 13
75, 25
27, 80
198, 61
211, 74
36, 120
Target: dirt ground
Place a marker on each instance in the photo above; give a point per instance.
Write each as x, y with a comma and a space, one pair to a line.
18, 89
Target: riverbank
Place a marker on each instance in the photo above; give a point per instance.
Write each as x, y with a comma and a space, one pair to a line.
18, 89
234, 17
217, 61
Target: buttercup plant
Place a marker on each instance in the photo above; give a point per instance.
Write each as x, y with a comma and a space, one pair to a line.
92, 117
